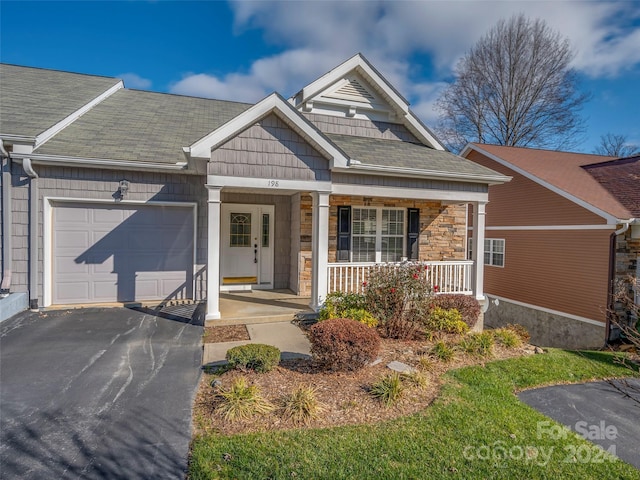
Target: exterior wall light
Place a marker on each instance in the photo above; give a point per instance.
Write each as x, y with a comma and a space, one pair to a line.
123, 187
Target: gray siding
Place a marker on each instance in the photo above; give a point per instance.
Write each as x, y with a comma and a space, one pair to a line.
361, 128
89, 184
282, 230
401, 182
269, 149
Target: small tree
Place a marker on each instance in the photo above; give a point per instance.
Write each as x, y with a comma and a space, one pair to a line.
615, 146
515, 87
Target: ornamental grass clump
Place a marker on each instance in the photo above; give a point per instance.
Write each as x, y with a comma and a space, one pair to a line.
389, 389
343, 344
254, 356
302, 405
478, 344
443, 351
399, 297
507, 337
520, 331
242, 401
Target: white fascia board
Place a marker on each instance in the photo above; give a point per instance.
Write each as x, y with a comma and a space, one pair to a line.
50, 132
450, 196
587, 206
62, 161
274, 103
17, 139
422, 132
358, 63
355, 165
272, 185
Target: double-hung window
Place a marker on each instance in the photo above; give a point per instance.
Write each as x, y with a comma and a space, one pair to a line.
494, 252
376, 234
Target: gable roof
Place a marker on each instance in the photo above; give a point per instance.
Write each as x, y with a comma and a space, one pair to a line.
561, 172
277, 105
32, 100
167, 123
622, 179
360, 65
385, 155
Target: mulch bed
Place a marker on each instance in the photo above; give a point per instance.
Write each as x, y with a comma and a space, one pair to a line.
230, 333
345, 395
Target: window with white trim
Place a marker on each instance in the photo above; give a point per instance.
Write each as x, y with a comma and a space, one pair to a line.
377, 234
494, 252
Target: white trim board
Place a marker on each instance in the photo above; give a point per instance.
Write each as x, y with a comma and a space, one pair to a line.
47, 213
587, 206
411, 193
546, 310
551, 227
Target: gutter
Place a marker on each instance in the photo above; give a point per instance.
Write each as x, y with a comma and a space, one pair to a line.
33, 232
7, 222
62, 161
612, 276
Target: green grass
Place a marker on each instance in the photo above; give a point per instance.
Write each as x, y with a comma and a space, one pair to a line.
477, 408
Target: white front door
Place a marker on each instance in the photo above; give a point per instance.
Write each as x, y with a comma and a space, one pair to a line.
246, 244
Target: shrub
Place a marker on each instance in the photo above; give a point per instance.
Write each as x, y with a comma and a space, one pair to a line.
468, 306
520, 331
507, 337
337, 303
443, 351
343, 344
449, 321
254, 356
301, 405
399, 297
425, 363
388, 389
242, 401
479, 344
362, 316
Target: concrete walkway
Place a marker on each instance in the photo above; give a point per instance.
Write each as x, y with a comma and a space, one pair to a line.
286, 336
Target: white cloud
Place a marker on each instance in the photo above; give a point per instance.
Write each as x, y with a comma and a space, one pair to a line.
317, 36
133, 80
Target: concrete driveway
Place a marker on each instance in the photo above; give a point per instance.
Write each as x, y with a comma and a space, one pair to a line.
607, 413
97, 393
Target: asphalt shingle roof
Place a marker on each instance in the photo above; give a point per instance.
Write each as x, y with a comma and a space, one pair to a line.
34, 99
395, 153
565, 171
133, 125
622, 179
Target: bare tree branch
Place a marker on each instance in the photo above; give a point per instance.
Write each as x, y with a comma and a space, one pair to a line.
616, 146
515, 87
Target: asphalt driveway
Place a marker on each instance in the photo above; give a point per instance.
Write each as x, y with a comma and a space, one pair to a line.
97, 393
607, 413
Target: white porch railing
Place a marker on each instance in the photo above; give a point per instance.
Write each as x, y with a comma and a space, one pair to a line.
451, 276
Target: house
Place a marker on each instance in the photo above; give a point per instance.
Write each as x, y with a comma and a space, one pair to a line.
114, 195
557, 236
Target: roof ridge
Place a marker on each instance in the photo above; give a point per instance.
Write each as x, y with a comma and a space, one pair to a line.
542, 150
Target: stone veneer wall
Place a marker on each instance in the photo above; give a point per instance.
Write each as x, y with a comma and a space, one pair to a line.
442, 230
627, 255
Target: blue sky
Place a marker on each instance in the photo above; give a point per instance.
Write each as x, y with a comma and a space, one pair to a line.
245, 50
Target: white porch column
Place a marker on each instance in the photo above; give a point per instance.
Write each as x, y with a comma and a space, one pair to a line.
319, 248
477, 248
213, 253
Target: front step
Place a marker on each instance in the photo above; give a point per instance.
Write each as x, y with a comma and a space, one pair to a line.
284, 317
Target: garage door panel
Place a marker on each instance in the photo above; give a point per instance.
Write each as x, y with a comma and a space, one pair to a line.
122, 253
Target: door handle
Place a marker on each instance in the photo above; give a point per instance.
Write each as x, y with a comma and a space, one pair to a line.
255, 253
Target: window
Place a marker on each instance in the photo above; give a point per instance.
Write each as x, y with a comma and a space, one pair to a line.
240, 233
494, 252
265, 229
377, 234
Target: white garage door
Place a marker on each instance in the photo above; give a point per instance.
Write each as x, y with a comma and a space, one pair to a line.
121, 253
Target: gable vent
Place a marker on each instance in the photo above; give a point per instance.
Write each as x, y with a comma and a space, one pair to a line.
353, 89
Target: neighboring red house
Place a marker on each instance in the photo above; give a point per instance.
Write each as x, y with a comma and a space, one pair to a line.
556, 236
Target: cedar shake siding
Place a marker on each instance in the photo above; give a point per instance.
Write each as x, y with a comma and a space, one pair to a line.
361, 127
536, 205
269, 149
92, 184
563, 270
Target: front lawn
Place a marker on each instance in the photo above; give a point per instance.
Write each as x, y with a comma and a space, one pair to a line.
476, 428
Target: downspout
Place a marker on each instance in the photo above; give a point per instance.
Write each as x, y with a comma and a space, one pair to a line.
612, 278
7, 222
33, 233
